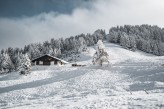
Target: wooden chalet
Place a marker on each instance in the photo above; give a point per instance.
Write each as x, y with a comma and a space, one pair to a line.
48, 60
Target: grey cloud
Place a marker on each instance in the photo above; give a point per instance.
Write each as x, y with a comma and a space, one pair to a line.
18, 8
103, 14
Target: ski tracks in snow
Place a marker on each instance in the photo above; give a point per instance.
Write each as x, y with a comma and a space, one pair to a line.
122, 85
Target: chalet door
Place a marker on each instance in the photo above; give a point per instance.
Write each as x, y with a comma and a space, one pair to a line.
37, 62
46, 63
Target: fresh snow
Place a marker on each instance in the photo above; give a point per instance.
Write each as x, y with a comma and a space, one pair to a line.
132, 80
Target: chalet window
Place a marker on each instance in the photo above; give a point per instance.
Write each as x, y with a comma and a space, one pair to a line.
52, 62
41, 62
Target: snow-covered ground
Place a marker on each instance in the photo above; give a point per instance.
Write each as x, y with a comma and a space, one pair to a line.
133, 80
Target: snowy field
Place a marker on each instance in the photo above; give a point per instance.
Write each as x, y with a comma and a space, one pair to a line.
133, 80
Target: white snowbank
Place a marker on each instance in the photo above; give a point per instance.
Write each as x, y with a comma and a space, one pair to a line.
134, 80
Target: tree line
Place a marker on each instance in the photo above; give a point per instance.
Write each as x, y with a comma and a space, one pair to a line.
11, 59
146, 38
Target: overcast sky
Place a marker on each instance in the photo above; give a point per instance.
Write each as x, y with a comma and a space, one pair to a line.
26, 21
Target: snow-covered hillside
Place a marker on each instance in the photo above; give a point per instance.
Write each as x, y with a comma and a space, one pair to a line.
132, 80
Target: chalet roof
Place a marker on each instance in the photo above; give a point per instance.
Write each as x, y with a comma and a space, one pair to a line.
51, 57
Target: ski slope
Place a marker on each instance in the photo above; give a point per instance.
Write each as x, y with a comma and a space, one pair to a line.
133, 80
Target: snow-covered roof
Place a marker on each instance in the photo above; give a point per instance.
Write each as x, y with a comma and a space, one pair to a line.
52, 57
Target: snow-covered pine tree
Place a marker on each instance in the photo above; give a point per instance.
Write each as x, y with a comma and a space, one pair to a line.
147, 38
101, 54
0, 63
127, 41
6, 63
18, 60
25, 67
113, 35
